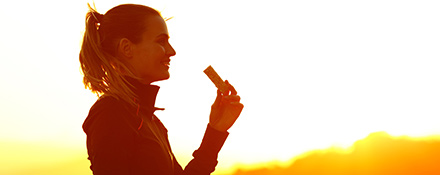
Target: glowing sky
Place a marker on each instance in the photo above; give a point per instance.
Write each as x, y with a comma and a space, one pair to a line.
311, 74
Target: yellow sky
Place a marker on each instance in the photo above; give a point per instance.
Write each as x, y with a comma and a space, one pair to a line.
311, 74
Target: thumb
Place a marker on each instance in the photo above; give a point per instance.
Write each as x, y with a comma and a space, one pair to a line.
218, 99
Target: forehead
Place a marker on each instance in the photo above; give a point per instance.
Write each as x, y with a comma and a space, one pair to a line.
155, 26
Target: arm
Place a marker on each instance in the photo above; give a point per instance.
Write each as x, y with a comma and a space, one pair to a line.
224, 113
205, 158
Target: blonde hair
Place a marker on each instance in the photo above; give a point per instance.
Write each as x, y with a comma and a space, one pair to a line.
104, 72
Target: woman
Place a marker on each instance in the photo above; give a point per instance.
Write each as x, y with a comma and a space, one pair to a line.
123, 52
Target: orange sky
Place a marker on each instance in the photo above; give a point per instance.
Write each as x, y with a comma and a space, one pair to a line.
311, 74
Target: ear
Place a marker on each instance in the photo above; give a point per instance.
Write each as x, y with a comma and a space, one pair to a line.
125, 48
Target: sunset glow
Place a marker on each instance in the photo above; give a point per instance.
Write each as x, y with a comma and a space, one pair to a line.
314, 76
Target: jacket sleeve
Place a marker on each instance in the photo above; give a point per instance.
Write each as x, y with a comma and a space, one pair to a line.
205, 158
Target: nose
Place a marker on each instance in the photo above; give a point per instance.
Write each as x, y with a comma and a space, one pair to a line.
170, 50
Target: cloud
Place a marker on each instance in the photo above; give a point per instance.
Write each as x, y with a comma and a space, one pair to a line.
378, 154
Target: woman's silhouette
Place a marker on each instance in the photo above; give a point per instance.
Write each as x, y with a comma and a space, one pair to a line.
123, 51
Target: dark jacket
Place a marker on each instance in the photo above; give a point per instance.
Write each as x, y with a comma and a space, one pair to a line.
126, 140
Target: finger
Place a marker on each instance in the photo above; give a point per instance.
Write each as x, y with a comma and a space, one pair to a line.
238, 107
231, 88
232, 98
219, 96
218, 99
237, 104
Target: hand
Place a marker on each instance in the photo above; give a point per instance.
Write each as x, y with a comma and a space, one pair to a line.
225, 110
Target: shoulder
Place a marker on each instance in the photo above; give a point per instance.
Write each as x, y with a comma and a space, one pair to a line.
107, 104
107, 113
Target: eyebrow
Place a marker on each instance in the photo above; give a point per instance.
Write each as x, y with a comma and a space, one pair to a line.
163, 35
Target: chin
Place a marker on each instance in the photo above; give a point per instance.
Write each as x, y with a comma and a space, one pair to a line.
161, 78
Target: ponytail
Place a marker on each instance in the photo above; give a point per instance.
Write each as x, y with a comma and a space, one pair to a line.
102, 70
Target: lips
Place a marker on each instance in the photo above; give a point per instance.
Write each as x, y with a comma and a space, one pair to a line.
166, 63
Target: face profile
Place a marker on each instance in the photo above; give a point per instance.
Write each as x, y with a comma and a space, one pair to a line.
150, 58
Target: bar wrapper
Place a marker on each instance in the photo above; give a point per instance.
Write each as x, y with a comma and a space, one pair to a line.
215, 78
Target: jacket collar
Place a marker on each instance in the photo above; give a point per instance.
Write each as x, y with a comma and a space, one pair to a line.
146, 95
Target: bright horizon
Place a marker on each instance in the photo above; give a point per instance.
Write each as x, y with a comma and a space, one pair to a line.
311, 74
